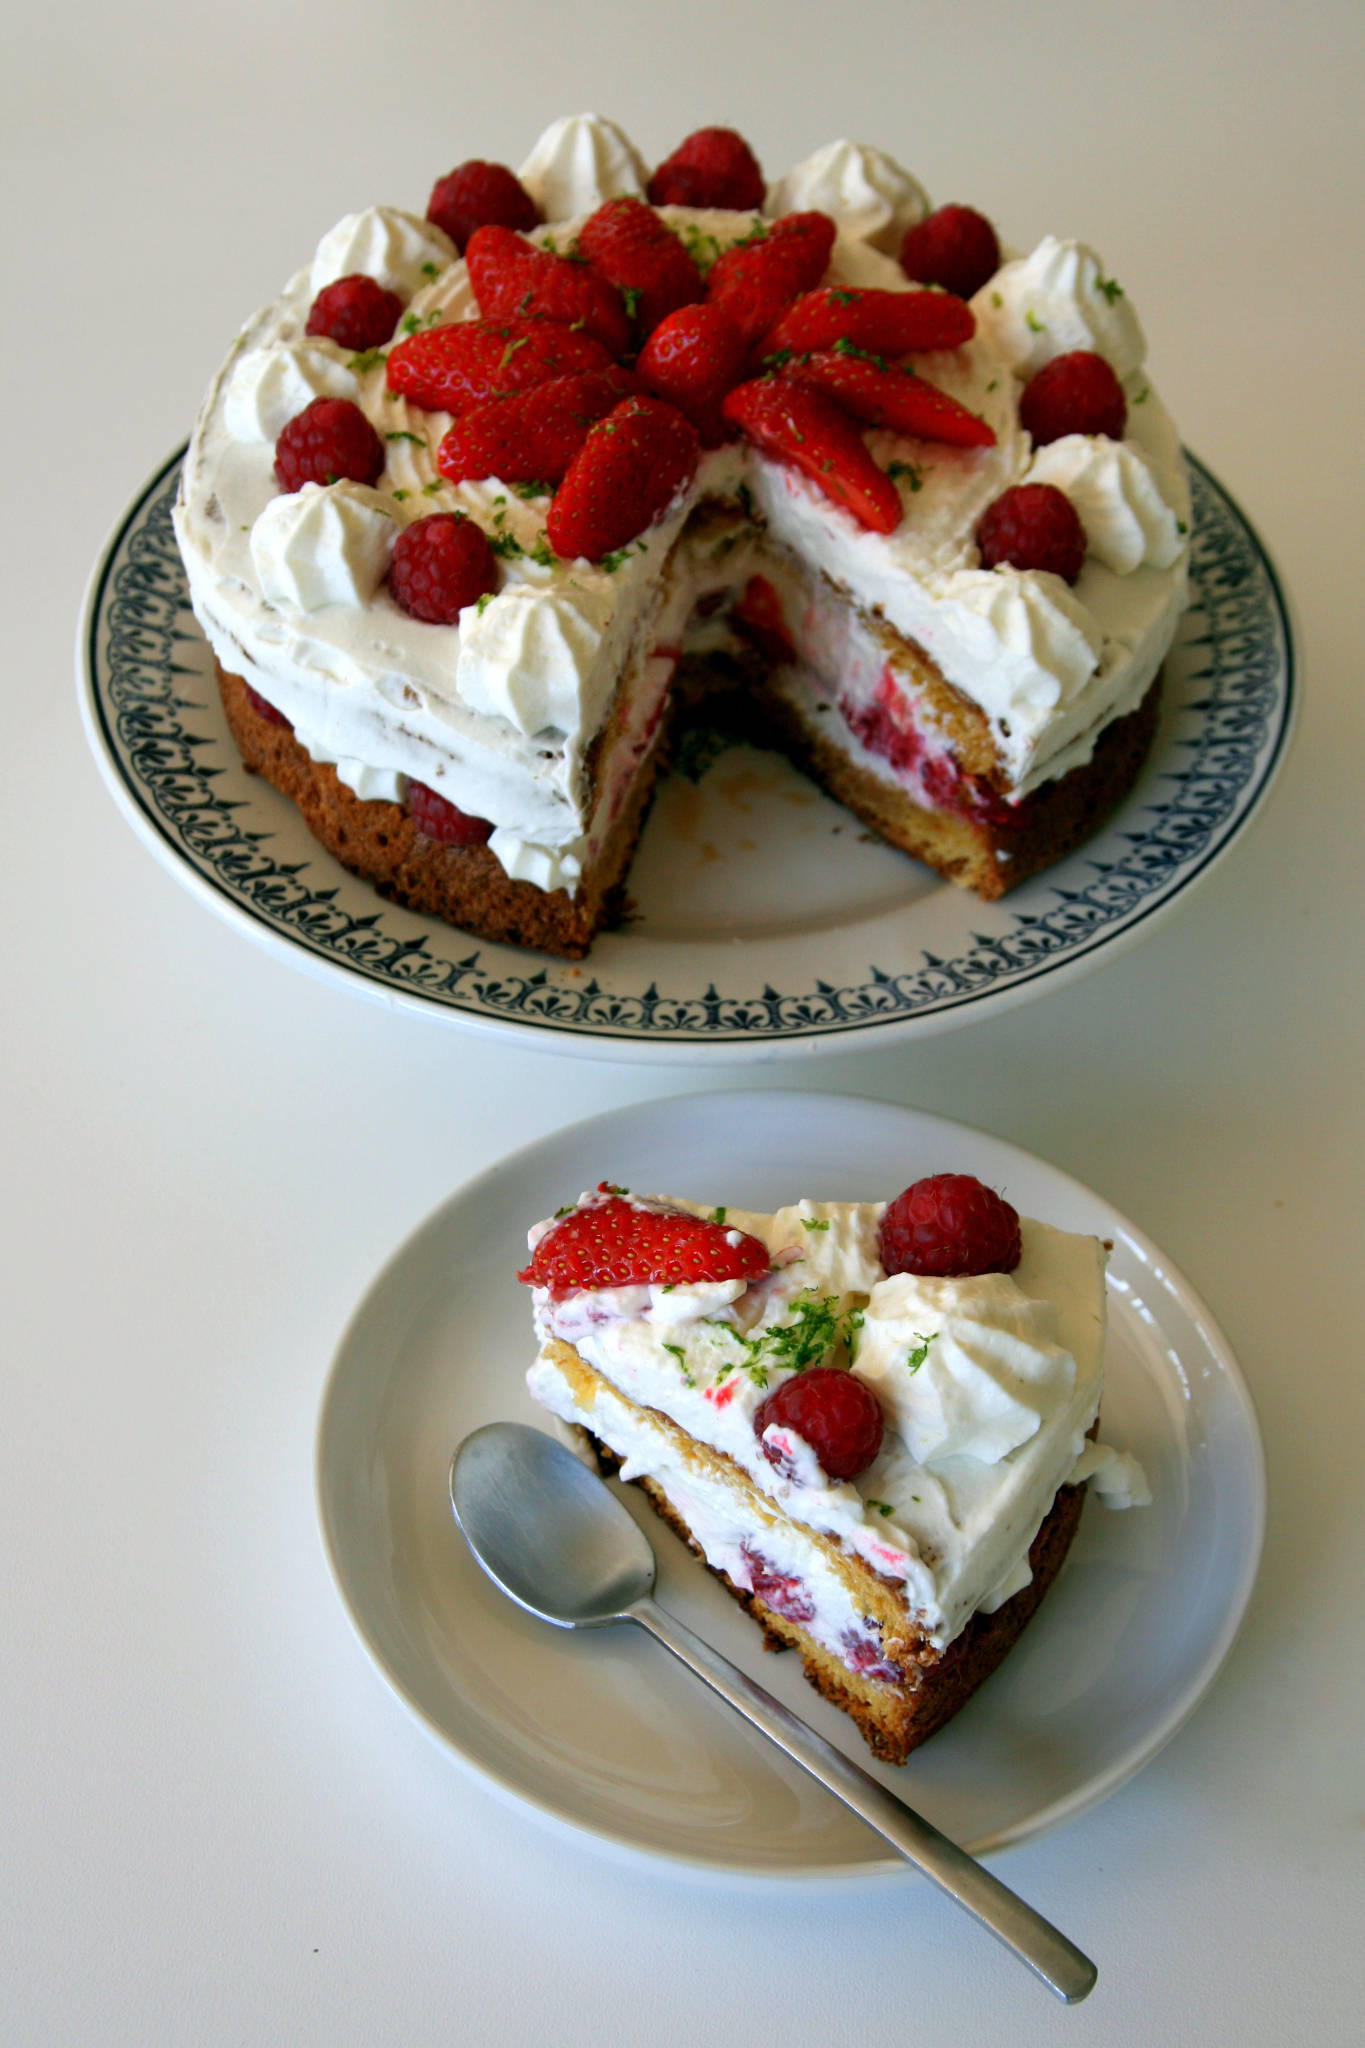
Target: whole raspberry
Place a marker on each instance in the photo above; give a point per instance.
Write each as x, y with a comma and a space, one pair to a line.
949, 1225
1073, 394
444, 821
330, 440
356, 311
1033, 526
713, 167
440, 565
955, 247
836, 1413
476, 194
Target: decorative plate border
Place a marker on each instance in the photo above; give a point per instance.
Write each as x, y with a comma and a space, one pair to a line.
158, 761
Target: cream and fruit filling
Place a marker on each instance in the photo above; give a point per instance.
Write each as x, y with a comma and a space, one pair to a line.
988, 1386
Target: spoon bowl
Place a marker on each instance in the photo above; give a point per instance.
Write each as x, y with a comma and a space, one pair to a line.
546, 1530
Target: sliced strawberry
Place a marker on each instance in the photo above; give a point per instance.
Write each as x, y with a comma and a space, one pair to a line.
469, 362
511, 276
802, 425
888, 323
629, 245
692, 359
628, 471
613, 1243
532, 434
881, 394
756, 281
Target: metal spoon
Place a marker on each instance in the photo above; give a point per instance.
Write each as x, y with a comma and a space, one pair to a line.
559, 1543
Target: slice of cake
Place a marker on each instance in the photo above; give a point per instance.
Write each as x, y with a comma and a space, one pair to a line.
873, 1422
484, 496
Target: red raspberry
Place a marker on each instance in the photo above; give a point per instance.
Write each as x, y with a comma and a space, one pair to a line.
755, 282
263, 708
355, 311
476, 195
692, 359
632, 465
329, 440
1073, 394
713, 167
834, 1411
1033, 526
468, 362
511, 277
948, 1225
534, 435
955, 247
444, 821
440, 565
627, 243
613, 1243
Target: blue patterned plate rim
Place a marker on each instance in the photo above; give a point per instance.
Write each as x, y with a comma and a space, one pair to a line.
1235, 732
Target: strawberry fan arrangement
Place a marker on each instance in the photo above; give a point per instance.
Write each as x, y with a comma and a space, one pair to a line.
601, 371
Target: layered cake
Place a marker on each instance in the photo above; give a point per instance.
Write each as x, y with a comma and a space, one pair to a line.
486, 495
873, 1421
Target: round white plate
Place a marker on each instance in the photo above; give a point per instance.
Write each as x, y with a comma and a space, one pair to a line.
607, 1733
768, 922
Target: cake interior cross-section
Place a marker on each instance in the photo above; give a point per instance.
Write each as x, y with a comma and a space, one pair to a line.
491, 500
875, 1422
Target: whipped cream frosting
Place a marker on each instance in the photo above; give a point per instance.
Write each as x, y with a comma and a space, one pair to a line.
498, 714
870, 196
322, 545
579, 163
397, 249
1052, 301
988, 1387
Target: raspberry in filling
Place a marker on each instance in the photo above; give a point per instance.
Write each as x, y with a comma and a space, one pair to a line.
443, 821
950, 1225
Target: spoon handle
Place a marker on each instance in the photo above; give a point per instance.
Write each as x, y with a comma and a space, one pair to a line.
1034, 1940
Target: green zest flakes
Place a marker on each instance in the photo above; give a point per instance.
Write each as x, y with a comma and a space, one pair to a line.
921, 1351
369, 359
812, 1223
880, 1507
1111, 288
719, 1215
1033, 323
911, 471
416, 439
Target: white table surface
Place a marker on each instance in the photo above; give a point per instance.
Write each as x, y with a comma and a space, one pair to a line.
218, 1825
